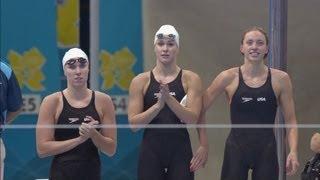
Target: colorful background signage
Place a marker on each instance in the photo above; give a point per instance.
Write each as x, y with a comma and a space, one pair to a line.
33, 38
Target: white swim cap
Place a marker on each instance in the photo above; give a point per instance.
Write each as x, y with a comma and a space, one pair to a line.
73, 53
167, 30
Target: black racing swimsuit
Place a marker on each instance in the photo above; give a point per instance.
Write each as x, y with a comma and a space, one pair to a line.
83, 161
165, 154
251, 148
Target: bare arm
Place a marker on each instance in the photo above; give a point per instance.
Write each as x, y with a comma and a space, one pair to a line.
106, 141
201, 155
217, 86
190, 113
202, 133
287, 106
46, 144
136, 114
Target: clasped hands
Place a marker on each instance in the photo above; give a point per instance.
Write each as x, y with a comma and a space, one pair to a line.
87, 129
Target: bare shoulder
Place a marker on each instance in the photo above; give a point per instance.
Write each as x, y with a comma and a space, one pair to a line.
103, 103
51, 105
190, 75
104, 107
141, 78
102, 96
229, 75
279, 75
52, 99
140, 82
280, 81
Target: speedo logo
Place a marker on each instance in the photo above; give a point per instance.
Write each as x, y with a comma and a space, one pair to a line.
247, 99
72, 120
